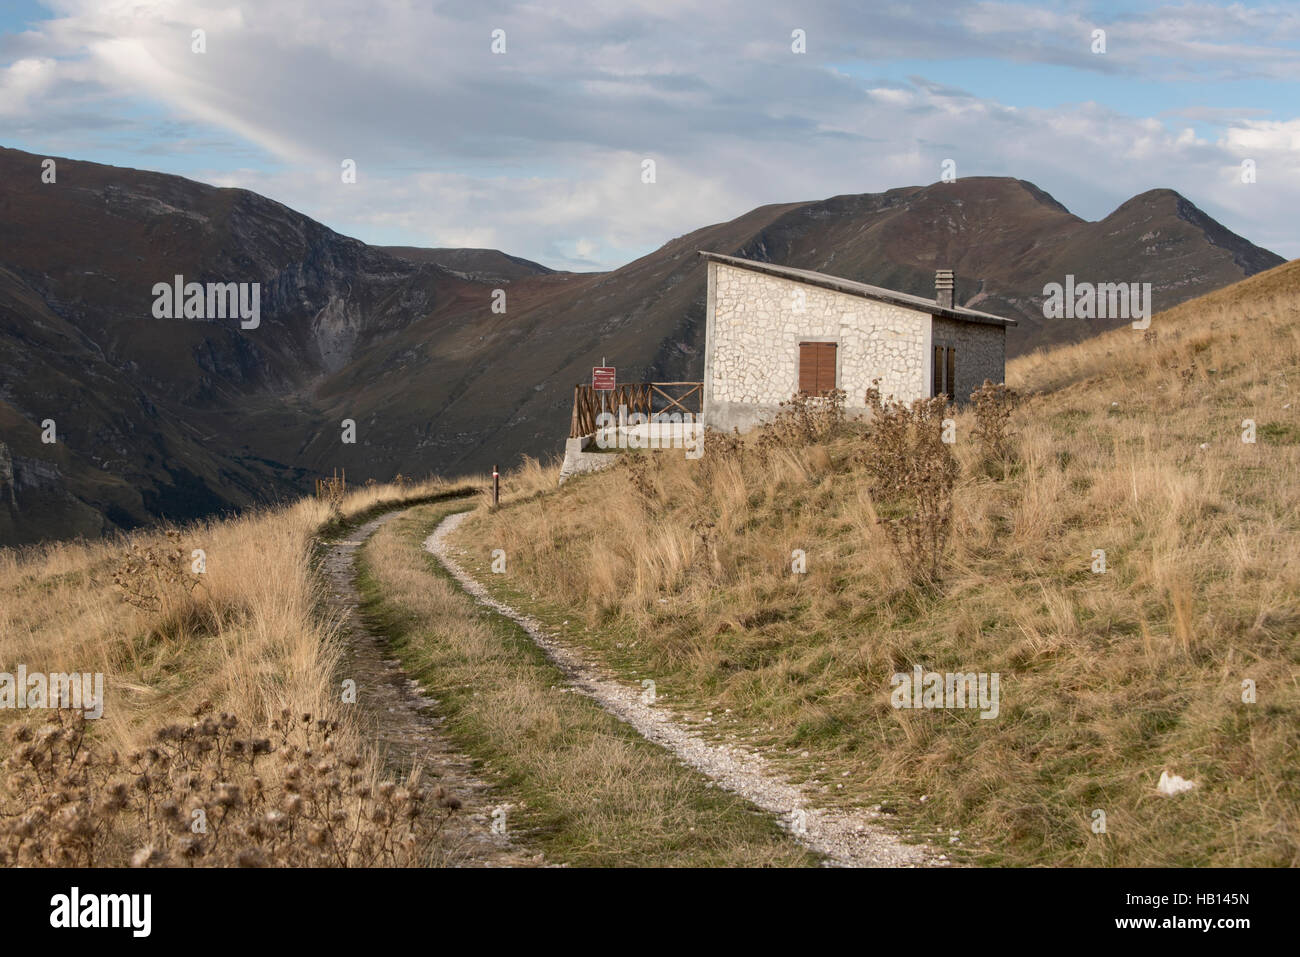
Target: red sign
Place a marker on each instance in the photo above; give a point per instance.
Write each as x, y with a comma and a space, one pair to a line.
602, 378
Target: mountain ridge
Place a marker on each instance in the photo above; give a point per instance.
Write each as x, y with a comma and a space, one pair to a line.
168, 419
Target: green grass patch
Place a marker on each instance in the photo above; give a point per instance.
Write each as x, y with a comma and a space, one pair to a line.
587, 789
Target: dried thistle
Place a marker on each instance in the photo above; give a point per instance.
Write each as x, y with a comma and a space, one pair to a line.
911, 474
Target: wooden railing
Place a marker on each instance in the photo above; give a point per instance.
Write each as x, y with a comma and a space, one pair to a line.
692, 400
588, 404
648, 398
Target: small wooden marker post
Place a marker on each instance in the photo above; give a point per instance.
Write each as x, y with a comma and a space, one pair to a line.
496, 487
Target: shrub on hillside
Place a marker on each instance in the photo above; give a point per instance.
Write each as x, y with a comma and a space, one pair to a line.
640, 470
911, 473
333, 490
156, 578
802, 420
719, 450
993, 407
202, 795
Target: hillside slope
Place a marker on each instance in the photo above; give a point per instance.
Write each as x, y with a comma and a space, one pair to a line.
1006, 239
487, 264
1178, 654
169, 418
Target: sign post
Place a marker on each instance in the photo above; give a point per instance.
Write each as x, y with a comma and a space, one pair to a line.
603, 383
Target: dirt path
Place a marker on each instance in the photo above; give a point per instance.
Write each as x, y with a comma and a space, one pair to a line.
404, 723
848, 837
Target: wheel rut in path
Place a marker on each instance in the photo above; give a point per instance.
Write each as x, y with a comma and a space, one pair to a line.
848, 837
404, 723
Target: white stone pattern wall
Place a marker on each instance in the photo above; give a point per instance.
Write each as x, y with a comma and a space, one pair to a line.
981, 353
757, 332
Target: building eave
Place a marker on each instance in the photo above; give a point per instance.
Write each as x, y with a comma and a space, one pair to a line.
861, 289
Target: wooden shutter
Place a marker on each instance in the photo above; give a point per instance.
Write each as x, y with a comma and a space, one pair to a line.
825, 368
943, 372
808, 367
816, 367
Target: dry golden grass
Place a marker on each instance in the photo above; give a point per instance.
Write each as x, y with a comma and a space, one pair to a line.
251, 638
588, 790
681, 570
530, 478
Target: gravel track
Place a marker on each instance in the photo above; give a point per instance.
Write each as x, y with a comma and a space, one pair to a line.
847, 837
404, 722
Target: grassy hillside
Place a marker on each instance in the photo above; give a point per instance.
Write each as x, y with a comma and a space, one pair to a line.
680, 571
201, 670
1131, 443
197, 668
588, 790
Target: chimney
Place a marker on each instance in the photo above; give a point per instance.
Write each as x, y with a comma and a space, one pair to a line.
943, 283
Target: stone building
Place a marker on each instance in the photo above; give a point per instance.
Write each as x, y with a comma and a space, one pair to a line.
772, 331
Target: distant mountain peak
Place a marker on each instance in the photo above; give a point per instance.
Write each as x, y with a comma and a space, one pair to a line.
176, 419
1247, 257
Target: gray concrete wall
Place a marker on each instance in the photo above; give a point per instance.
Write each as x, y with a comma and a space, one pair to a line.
981, 353
578, 461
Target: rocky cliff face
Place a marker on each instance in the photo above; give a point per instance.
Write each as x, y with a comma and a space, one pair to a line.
174, 418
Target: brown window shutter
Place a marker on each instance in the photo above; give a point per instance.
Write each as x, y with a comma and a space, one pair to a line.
936, 385
952, 374
816, 367
825, 367
808, 367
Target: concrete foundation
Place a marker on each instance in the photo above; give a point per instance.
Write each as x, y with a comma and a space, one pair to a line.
577, 460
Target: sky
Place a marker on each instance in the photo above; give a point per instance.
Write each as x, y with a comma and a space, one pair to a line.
539, 146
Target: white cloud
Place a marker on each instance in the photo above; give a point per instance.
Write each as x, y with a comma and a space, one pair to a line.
23, 80
539, 151
1280, 139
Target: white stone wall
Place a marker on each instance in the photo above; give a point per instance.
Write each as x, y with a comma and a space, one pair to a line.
754, 336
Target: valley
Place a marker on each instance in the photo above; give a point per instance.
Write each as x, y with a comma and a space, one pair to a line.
165, 420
